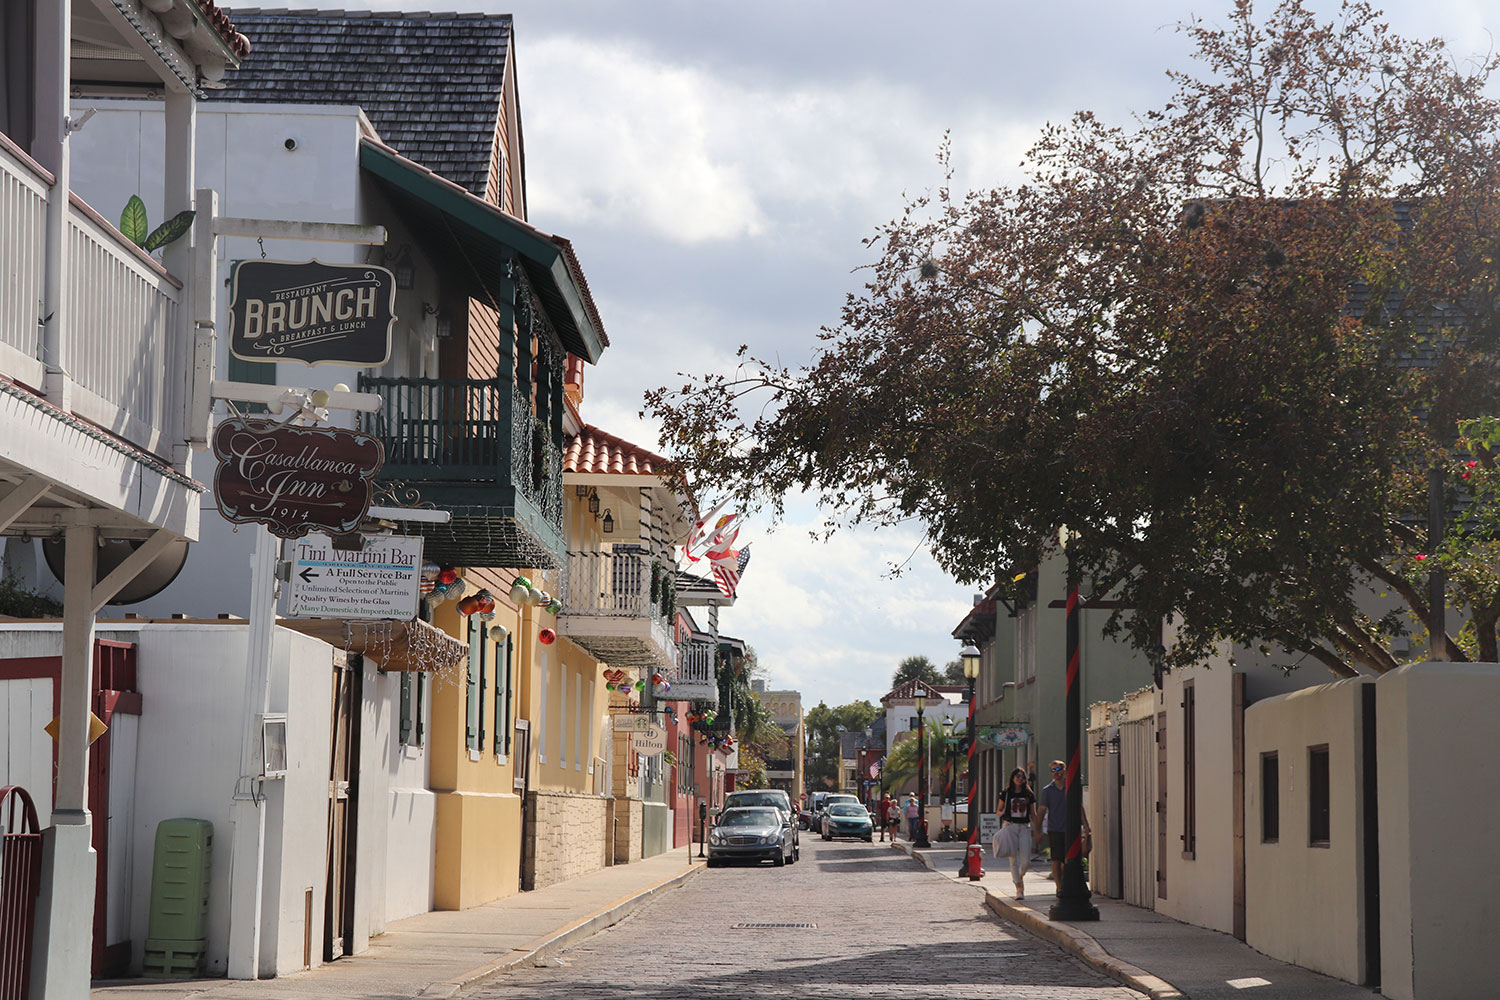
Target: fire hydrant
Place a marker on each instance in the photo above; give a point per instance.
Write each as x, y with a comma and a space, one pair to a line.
974, 863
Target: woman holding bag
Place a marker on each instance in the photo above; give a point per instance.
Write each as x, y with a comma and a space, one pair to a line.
1014, 839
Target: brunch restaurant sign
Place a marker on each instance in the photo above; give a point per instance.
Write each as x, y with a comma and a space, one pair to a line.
294, 479
312, 313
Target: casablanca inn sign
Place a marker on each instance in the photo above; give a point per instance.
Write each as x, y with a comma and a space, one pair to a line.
312, 313
294, 479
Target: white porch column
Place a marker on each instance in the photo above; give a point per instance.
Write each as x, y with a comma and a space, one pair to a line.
63, 950
50, 149
178, 189
247, 864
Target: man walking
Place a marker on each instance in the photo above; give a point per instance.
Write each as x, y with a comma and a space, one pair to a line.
883, 815
913, 817
1052, 816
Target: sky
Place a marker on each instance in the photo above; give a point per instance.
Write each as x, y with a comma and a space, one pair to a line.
716, 166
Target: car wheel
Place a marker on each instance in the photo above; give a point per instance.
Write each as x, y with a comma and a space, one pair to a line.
780, 860
869, 840
714, 862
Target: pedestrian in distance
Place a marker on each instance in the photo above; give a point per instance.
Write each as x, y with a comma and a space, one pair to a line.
883, 816
913, 817
1052, 816
1016, 805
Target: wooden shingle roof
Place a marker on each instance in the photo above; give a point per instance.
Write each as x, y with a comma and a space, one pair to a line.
430, 83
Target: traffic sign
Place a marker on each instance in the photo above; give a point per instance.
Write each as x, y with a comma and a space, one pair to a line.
378, 582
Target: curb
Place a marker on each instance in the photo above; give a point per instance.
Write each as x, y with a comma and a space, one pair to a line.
581, 928
1067, 937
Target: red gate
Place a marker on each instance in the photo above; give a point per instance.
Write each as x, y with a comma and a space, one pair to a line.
20, 881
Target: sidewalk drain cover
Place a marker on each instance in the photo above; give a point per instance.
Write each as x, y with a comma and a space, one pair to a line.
764, 927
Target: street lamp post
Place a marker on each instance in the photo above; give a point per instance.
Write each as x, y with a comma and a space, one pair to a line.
921, 702
1073, 893
950, 764
973, 865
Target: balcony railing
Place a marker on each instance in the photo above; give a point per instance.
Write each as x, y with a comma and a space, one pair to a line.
695, 678
121, 311
610, 585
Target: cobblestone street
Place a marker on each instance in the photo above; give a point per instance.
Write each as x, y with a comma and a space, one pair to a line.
882, 926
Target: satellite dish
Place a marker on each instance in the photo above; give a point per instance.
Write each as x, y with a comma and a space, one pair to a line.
148, 582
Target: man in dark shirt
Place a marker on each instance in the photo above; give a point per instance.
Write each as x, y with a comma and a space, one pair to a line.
1052, 816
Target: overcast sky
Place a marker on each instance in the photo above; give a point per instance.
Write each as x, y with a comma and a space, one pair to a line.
716, 165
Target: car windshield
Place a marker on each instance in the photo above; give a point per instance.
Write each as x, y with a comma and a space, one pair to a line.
840, 800
750, 817
846, 809
756, 799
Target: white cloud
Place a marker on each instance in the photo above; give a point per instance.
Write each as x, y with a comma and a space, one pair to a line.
631, 141
824, 616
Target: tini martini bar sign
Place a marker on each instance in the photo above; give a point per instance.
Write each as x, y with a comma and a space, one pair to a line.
311, 312
294, 479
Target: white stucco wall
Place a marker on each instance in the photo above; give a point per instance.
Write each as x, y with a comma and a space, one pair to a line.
1436, 726
1305, 904
1200, 888
242, 155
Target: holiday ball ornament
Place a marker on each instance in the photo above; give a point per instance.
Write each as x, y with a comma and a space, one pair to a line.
554, 606
469, 605
447, 574
456, 589
518, 593
546, 637
640, 685
486, 601
430, 570
498, 633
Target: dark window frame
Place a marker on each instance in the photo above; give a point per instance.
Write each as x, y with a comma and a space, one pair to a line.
1270, 797
1319, 797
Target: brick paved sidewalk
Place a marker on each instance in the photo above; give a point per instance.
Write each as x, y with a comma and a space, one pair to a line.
437, 954
1162, 957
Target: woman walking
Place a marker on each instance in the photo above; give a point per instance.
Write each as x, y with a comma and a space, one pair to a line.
1015, 807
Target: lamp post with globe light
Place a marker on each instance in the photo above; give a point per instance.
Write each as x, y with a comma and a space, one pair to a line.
973, 865
1073, 892
920, 700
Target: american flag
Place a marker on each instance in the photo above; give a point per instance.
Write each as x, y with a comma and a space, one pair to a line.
727, 570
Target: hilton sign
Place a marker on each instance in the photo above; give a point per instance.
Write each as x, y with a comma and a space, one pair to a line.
312, 313
294, 479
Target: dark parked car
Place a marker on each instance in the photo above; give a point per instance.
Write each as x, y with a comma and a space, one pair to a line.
847, 819
755, 833
808, 817
774, 797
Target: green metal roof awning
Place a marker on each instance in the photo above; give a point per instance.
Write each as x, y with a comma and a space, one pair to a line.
475, 240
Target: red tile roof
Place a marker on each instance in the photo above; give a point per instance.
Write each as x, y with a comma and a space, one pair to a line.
594, 451
219, 18
907, 690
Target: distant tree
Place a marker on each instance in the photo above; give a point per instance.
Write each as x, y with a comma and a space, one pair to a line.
824, 726
915, 668
953, 673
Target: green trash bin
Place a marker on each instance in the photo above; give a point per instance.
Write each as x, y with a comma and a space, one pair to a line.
177, 936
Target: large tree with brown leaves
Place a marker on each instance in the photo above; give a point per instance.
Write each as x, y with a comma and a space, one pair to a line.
1224, 346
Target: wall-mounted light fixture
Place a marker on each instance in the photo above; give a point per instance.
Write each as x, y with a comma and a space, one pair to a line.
402, 267
609, 522
443, 324
594, 502
580, 491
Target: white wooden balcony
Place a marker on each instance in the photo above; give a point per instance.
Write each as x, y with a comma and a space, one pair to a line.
695, 678
607, 609
98, 409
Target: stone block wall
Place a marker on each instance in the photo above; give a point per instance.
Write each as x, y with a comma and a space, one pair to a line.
566, 836
629, 819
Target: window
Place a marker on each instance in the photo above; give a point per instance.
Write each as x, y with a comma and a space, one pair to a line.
1026, 644
1270, 799
413, 708
1189, 770
1317, 796
541, 721
562, 720
257, 372
474, 695
504, 664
